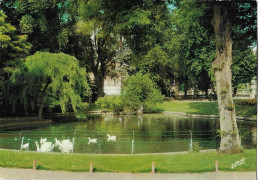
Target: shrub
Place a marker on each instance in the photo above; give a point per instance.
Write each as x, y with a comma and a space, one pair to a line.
141, 94
111, 103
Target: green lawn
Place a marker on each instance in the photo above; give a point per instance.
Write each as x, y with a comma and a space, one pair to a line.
189, 162
209, 108
205, 108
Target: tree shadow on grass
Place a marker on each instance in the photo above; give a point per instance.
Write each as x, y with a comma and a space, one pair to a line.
210, 108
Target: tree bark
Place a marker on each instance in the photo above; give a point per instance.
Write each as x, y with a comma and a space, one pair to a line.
222, 69
40, 112
41, 103
235, 91
100, 86
100, 63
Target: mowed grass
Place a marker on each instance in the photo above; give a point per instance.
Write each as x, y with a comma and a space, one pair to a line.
184, 162
209, 108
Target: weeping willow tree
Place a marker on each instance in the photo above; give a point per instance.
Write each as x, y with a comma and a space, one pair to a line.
50, 80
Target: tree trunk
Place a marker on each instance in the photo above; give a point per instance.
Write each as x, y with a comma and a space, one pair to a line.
196, 92
100, 89
40, 112
222, 68
235, 91
99, 81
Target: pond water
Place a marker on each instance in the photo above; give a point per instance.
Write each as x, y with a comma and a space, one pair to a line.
147, 133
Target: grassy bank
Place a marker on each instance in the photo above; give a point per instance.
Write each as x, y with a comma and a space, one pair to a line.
188, 162
205, 108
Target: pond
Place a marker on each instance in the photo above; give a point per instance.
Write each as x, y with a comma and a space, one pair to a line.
147, 133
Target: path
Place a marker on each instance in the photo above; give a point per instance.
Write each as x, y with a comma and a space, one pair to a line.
29, 174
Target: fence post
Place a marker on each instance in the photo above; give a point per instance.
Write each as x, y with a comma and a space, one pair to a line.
153, 167
34, 164
133, 146
216, 165
133, 143
21, 134
91, 166
239, 133
73, 140
190, 148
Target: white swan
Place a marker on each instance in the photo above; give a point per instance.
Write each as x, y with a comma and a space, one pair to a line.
111, 138
45, 147
66, 146
92, 140
24, 146
43, 140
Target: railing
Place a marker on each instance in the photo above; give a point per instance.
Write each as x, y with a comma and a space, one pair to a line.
125, 143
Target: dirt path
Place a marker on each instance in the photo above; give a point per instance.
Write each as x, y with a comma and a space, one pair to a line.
29, 174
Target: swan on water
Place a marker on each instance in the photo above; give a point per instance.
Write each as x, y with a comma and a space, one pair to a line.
66, 146
43, 140
92, 140
24, 146
111, 138
45, 147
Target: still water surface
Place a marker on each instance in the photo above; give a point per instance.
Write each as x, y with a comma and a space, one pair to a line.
151, 133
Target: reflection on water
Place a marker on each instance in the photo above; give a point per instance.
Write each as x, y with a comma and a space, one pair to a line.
170, 132
156, 126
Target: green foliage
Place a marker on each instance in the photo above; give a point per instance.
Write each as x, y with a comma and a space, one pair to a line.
41, 21
230, 107
192, 46
13, 48
144, 25
54, 79
244, 66
27, 23
160, 67
226, 133
111, 103
140, 92
103, 41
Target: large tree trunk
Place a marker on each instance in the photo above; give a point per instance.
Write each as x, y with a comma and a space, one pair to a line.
222, 68
100, 86
100, 63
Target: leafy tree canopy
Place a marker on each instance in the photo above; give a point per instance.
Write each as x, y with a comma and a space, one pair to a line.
244, 66
41, 20
13, 47
193, 47
141, 93
160, 67
54, 79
